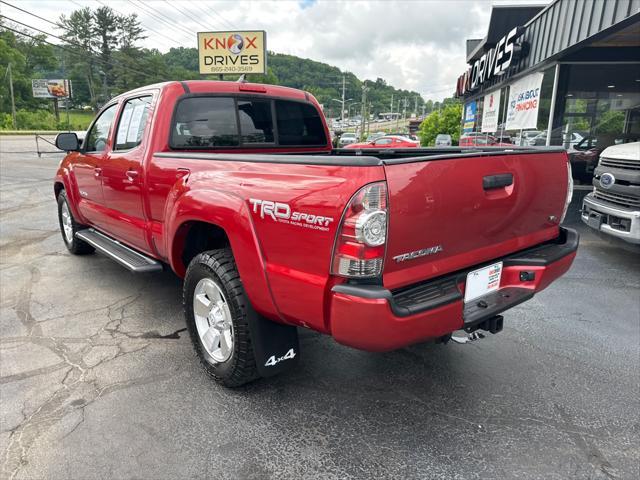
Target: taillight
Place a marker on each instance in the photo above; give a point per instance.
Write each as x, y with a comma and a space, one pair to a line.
362, 234
569, 192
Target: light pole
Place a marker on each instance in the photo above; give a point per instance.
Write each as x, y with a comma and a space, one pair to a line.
352, 104
341, 102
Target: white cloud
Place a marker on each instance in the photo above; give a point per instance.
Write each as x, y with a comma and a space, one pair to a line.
417, 45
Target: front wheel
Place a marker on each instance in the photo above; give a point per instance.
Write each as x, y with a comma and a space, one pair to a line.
69, 227
215, 307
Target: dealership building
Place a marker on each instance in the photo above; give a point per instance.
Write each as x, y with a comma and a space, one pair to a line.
563, 74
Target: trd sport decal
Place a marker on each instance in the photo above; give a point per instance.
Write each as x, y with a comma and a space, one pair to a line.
281, 212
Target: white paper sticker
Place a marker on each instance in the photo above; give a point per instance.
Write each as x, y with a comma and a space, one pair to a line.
134, 126
482, 281
121, 137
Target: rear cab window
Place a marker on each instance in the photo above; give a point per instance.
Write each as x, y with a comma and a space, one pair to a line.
210, 122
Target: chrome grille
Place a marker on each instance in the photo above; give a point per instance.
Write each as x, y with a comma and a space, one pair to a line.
620, 163
626, 201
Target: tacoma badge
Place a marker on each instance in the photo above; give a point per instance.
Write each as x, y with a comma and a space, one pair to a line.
418, 253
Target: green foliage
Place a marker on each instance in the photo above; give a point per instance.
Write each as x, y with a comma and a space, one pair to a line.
45, 120
6, 123
102, 59
446, 120
611, 122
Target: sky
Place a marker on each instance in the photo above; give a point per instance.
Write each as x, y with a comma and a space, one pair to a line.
412, 44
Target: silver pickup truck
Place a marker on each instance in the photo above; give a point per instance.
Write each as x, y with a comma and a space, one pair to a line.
614, 205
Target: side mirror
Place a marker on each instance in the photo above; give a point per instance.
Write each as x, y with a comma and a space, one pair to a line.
68, 141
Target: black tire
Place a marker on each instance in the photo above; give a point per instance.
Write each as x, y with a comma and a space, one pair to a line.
220, 266
74, 245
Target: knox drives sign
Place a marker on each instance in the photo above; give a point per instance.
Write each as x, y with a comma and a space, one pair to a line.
232, 52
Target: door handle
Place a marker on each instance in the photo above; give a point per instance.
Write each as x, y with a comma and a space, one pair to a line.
497, 181
97, 172
132, 175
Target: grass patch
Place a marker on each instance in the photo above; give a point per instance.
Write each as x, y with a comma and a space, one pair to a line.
78, 119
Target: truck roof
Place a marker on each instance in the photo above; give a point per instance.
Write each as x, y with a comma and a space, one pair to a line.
217, 86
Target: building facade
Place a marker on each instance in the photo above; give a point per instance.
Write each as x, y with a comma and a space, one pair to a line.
565, 74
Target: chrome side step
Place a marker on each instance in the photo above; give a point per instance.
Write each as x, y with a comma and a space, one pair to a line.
127, 257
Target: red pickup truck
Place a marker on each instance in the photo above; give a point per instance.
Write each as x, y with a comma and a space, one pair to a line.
236, 188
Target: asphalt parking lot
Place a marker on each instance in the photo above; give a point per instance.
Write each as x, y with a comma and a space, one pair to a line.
98, 378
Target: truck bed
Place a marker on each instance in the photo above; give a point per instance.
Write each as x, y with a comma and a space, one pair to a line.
364, 158
439, 198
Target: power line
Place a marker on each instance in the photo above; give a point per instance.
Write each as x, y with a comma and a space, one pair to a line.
147, 27
226, 23
159, 16
62, 26
32, 14
183, 12
96, 58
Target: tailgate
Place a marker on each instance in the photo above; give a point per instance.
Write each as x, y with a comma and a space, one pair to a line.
448, 214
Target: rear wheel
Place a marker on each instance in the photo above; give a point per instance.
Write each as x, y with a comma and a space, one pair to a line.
69, 227
215, 307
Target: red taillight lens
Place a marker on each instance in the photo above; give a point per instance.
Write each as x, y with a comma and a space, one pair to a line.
362, 235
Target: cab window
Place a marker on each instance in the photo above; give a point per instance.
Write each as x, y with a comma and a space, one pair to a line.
205, 122
299, 124
98, 136
132, 122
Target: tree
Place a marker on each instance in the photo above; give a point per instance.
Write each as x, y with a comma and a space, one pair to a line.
269, 78
78, 32
129, 31
446, 120
29, 58
105, 25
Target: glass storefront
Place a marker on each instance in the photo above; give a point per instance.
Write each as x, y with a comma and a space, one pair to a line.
597, 105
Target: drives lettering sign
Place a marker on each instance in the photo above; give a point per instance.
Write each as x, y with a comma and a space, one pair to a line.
496, 61
232, 52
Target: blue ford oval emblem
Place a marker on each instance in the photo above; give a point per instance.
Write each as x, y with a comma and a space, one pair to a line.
607, 180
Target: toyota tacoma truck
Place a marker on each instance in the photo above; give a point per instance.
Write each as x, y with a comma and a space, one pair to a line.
613, 207
236, 188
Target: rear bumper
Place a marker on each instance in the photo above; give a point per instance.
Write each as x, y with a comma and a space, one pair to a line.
370, 317
615, 221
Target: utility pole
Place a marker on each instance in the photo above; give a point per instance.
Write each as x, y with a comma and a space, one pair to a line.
13, 100
344, 81
67, 87
415, 106
364, 106
391, 105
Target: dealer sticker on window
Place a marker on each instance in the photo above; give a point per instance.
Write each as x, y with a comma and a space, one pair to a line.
482, 281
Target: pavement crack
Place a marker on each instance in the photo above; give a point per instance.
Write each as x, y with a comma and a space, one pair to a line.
594, 456
23, 304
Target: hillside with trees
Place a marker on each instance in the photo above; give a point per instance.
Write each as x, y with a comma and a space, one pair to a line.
99, 51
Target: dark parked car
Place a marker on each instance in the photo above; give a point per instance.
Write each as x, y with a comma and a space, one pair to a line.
585, 155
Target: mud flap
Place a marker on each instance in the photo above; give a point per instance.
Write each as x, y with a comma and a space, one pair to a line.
275, 346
